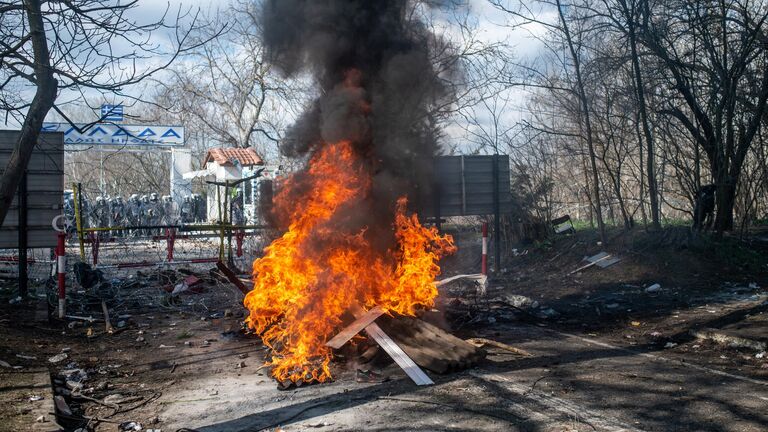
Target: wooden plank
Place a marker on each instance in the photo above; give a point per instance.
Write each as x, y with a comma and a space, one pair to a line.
500, 345
356, 327
398, 355
603, 259
584, 267
478, 277
232, 277
430, 347
390, 347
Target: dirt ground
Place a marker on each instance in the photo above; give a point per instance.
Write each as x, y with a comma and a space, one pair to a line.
606, 352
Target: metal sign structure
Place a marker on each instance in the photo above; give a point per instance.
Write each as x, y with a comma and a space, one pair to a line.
464, 186
112, 113
44, 192
107, 134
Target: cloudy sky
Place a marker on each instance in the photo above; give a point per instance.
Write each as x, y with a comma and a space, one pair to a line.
490, 26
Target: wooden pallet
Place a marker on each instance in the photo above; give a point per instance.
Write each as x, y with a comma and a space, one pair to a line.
430, 347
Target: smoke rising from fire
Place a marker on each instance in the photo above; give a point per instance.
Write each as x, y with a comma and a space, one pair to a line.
377, 87
348, 239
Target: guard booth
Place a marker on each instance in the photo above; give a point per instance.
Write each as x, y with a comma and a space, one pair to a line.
231, 164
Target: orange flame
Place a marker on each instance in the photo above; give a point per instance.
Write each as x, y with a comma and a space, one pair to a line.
309, 277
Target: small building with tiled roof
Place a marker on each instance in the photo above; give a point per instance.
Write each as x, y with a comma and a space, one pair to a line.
232, 156
229, 164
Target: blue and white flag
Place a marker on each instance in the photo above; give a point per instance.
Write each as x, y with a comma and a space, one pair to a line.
112, 113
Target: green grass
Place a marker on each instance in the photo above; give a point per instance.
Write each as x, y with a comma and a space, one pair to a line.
730, 251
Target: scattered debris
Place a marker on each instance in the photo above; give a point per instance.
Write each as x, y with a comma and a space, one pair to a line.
319, 425
481, 342
547, 313
670, 345
653, 288
185, 285
518, 301
563, 225
35, 398
61, 405
480, 279
114, 398
602, 260
129, 426
732, 340
369, 376
58, 358
104, 308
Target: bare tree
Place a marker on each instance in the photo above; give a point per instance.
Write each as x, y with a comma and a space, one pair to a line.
714, 57
228, 87
563, 36
54, 46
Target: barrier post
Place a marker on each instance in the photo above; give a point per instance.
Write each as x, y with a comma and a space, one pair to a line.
61, 264
239, 239
484, 262
94, 237
170, 238
78, 199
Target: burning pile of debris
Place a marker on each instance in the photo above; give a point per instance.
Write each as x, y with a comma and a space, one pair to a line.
350, 242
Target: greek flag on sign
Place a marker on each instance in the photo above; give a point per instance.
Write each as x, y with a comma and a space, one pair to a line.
111, 112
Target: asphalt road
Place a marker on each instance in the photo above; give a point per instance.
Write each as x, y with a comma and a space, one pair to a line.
570, 383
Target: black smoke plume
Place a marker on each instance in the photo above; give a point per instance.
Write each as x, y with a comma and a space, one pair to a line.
377, 87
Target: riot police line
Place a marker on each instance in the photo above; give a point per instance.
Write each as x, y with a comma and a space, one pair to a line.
143, 215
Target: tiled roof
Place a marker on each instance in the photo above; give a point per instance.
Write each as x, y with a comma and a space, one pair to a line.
227, 156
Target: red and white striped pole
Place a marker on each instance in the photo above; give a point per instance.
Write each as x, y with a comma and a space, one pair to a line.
61, 264
484, 262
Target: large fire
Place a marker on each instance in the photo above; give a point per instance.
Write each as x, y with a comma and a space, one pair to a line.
318, 270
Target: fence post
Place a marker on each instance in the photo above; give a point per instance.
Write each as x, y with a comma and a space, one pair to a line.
94, 237
170, 239
484, 262
61, 264
23, 269
239, 239
78, 199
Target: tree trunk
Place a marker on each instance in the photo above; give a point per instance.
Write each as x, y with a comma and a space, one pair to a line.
45, 95
587, 124
650, 168
725, 200
642, 177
